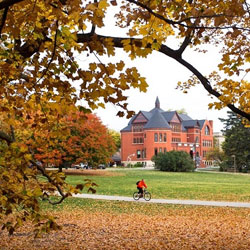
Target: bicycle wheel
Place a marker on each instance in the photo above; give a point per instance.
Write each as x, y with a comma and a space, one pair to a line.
147, 196
136, 196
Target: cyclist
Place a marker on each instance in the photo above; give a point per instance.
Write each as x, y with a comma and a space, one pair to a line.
140, 185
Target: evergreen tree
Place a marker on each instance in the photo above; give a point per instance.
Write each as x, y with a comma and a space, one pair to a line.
237, 143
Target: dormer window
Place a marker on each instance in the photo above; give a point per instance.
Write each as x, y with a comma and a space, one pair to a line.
137, 128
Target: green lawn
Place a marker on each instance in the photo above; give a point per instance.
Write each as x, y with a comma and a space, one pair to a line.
195, 185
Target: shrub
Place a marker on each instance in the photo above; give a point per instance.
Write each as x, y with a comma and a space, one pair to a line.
173, 161
138, 165
223, 166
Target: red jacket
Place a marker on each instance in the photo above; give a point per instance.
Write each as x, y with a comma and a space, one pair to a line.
142, 184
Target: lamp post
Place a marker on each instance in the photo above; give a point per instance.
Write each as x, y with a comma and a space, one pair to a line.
196, 156
129, 158
234, 163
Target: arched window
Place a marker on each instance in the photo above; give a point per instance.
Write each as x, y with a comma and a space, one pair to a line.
207, 130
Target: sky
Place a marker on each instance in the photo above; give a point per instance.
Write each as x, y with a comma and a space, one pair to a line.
162, 75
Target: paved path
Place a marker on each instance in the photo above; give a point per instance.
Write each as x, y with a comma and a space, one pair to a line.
164, 201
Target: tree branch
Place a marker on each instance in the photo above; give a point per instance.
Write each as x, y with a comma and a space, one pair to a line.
12, 133
169, 21
3, 20
175, 54
184, 45
59, 189
53, 53
93, 26
180, 23
4, 136
7, 3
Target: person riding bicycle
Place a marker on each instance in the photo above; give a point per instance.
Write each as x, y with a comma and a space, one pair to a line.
140, 185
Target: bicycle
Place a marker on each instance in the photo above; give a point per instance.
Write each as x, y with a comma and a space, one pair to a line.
146, 195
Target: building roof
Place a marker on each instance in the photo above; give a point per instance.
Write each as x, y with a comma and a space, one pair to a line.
201, 123
157, 121
190, 123
185, 117
158, 118
168, 115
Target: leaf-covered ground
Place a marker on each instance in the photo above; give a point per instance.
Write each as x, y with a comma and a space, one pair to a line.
121, 225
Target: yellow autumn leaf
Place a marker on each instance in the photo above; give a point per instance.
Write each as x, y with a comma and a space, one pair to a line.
103, 4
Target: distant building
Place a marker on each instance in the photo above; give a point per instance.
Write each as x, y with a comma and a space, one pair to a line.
151, 132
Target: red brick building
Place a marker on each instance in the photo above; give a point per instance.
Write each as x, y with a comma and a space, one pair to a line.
151, 132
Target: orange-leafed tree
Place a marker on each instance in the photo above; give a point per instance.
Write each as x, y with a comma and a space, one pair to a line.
91, 139
88, 141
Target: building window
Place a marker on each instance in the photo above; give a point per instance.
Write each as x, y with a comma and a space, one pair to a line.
144, 135
145, 153
137, 140
160, 137
207, 130
138, 128
176, 139
206, 143
160, 150
138, 153
165, 137
156, 151
165, 150
156, 137
204, 153
176, 127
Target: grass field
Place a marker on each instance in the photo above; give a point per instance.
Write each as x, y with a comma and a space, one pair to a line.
114, 225
195, 185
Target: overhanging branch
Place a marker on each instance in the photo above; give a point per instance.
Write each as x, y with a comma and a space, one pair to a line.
59, 189
175, 54
3, 20
193, 26
7, 3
